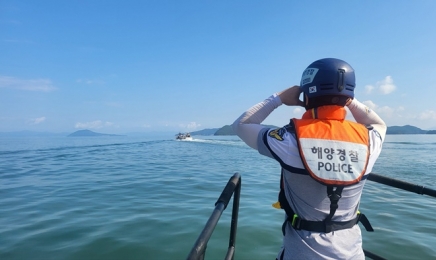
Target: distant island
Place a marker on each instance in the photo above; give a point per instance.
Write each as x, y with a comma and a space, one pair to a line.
407, 130
88, 133
392, 130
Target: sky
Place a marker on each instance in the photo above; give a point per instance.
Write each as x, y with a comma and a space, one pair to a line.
174, 65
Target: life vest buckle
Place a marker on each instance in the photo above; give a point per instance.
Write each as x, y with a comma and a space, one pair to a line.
296, 222
334, 196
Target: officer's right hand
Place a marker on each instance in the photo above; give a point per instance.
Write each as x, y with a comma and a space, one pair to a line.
291, 96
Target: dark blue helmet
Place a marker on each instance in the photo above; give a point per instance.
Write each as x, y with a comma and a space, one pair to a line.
330, 79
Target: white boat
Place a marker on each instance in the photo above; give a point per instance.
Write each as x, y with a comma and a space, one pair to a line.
184, 136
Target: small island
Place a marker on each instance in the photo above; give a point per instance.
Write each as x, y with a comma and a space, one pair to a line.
407, 130
82, 133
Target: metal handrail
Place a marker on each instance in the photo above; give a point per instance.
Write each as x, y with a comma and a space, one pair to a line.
234, 186
199, 249
407, 186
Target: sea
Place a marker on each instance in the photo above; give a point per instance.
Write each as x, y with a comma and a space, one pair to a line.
150, 196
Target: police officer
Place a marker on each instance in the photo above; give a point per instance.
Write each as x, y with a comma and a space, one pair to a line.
325, 160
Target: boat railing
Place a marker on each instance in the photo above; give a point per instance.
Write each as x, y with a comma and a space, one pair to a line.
407, 186
234, 187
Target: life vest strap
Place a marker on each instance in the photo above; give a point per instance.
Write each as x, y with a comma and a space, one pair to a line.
334, 195
325, 226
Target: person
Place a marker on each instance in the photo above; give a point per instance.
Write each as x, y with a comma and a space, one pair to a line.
325, 160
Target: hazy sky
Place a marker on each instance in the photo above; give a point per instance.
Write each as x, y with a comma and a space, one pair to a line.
130, 66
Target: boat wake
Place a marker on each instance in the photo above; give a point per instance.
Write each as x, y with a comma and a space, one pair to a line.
227, 142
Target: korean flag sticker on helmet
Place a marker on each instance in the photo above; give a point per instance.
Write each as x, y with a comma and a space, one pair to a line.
308, 76
312, 89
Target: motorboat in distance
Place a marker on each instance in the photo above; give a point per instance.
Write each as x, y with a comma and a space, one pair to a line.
184, 136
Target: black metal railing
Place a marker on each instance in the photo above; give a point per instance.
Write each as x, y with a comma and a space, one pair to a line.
407, 186
198, 251
401, 184
234, 186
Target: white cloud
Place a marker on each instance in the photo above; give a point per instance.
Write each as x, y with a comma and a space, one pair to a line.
369, 89
38, 120
90, 81
298, 110
427, 115
44, 85
193, 125
384, 111
93, 125
190, 126
400, 115
370, 104
386, 86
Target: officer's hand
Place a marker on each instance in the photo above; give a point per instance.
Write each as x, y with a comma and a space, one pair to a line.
290, 96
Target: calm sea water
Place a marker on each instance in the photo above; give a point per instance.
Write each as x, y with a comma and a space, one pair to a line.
149, 198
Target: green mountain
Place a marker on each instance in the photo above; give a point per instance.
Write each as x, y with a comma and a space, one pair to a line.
88, 133
209, 131
228, 130
225, 130
405, 130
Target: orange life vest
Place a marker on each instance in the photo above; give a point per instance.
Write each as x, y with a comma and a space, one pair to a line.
333, 150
